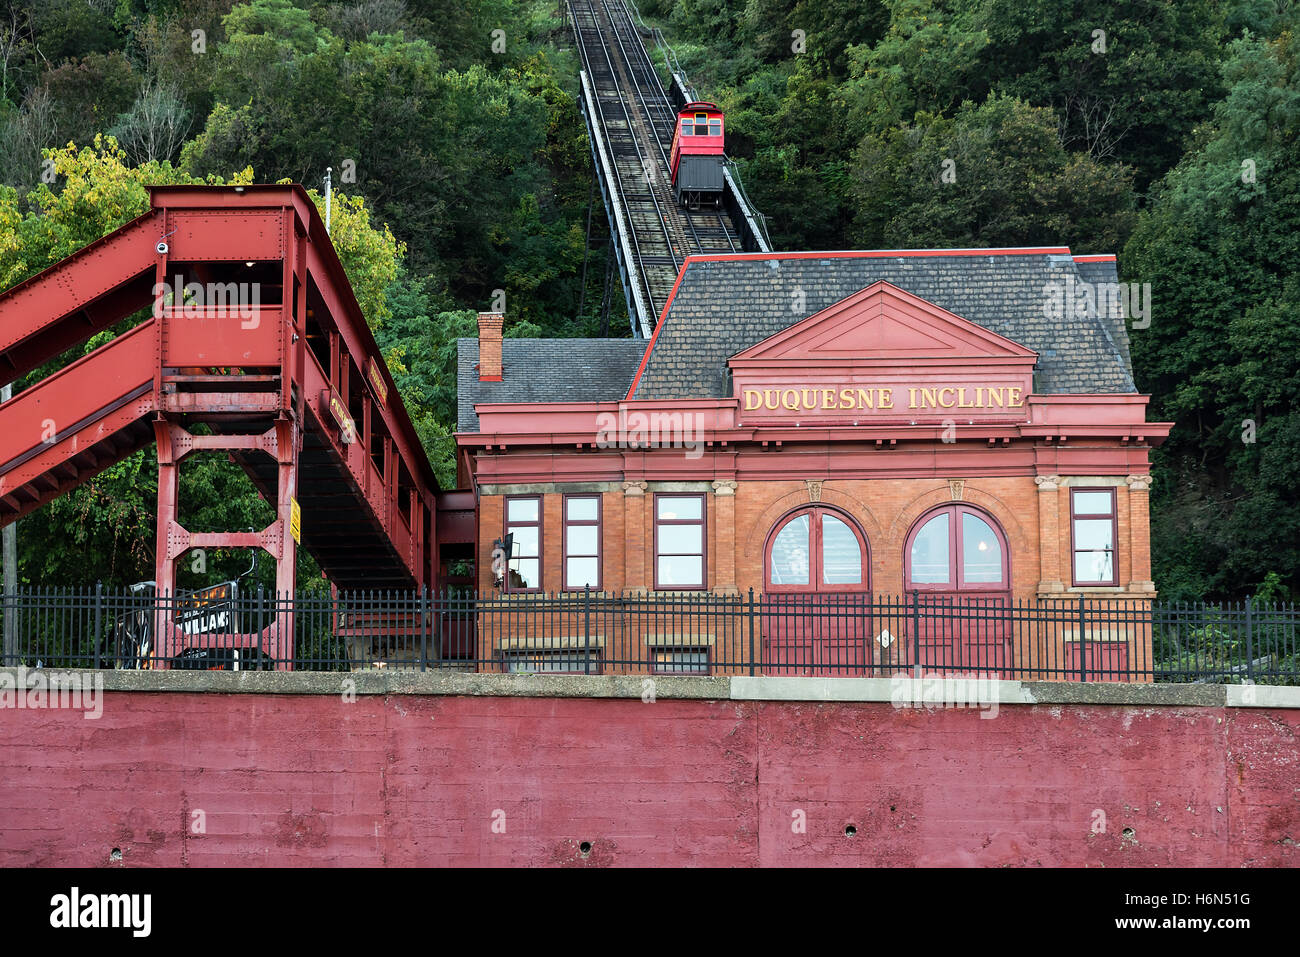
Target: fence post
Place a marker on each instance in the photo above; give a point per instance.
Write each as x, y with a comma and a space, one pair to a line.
753, 650
99, 619
1083, 648
916, 634
1250, 641
586, 629
424, 628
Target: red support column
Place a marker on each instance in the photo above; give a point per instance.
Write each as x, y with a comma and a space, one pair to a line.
280, 641
164, 561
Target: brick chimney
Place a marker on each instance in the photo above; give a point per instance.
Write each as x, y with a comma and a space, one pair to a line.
489, 346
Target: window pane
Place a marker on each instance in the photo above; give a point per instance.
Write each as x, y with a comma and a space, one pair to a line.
715, 127
579, 572
1093, 567
676, 539
1092, 503
582, 540
790, 553
543, 662
525, 541
524, 573
521, 510
680, 570
981, 551
581, 509
688, 508
930, 552
682, 662
841, 555
1093, 533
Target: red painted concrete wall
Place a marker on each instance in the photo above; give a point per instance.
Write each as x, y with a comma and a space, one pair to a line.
410, 780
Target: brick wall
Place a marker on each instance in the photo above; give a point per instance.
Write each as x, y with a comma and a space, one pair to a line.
432, 780
886, 510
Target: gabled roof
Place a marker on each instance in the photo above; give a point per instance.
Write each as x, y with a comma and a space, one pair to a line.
546, 370
723, 305
884, 324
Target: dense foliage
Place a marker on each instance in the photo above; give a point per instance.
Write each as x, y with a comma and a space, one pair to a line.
1164, 130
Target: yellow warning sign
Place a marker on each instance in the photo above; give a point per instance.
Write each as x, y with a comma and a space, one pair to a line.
295, 520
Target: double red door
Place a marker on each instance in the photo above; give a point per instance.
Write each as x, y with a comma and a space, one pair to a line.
958, 578
817, 601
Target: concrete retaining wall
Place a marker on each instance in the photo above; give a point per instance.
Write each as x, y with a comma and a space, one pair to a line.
476, 769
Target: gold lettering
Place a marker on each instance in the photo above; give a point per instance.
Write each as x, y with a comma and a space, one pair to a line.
961, 400
770, 399
949, 404
828, 399
865, 399
930, 397
790, 399
996, 397
753, 399
884, 398
807, 398
911, 398
846, 399
1014, 399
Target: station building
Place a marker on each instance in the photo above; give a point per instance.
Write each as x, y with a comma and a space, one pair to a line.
953, 423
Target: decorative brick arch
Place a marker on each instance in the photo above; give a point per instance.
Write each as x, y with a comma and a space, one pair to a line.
756, 534
942, 495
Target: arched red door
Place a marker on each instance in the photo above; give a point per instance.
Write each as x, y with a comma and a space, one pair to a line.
958, 567
817, 595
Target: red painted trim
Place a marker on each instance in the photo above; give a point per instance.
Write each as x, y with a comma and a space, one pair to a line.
972, 332
490, 378
882, 254
702, 521
658, 326
956, 573
1101, 258
599, 524
1114, 536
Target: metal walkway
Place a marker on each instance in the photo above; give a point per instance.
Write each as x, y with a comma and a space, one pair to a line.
630, 120
276, 368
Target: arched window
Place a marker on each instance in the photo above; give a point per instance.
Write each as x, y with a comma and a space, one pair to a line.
957, 548
817, 549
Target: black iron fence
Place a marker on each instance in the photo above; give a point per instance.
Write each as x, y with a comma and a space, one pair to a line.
1074, 638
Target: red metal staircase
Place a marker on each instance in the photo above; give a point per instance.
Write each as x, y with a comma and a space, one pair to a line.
272, 356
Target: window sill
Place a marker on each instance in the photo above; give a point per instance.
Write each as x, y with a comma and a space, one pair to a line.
550, 643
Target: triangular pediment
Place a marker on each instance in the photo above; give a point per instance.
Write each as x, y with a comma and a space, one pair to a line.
884, 324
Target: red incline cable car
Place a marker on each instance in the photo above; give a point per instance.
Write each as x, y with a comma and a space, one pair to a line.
697, 158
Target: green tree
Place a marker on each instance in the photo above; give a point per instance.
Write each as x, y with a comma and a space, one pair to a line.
993, 175
1219, 246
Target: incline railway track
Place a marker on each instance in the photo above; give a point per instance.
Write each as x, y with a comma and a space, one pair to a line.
631, 114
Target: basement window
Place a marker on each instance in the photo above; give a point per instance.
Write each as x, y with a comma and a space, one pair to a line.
551, 663
679, 661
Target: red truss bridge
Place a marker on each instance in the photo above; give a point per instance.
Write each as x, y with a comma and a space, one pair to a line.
267, 349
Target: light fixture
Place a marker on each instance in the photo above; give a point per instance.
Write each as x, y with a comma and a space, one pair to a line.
249, 264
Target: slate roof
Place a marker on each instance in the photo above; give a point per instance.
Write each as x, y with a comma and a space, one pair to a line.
725, 305
546, 370
1108, 271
